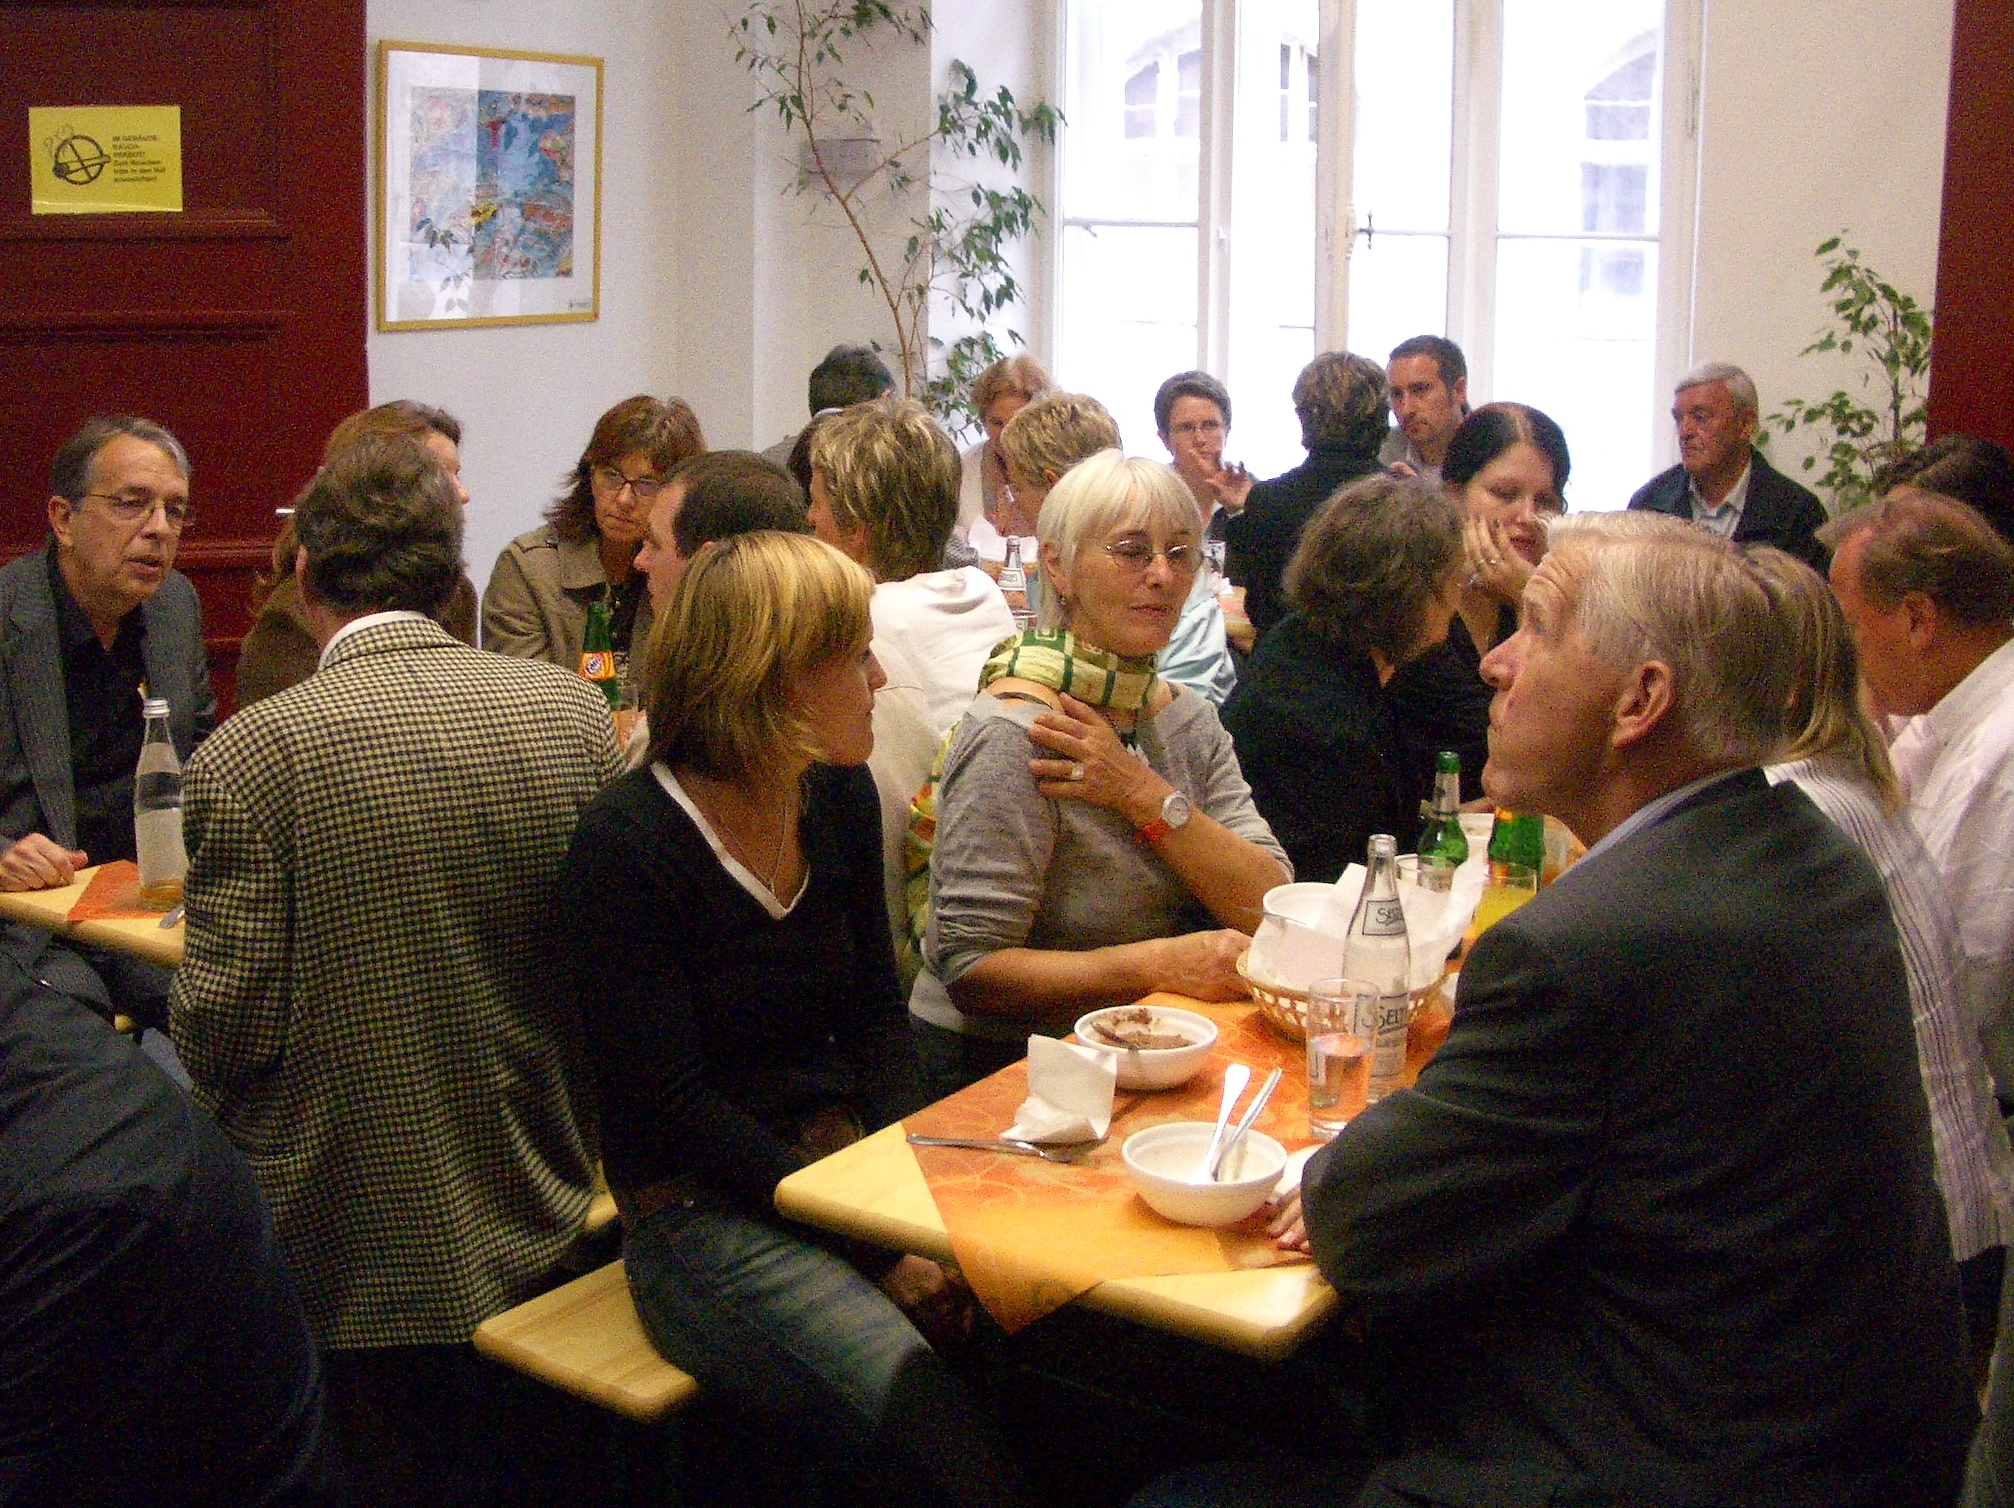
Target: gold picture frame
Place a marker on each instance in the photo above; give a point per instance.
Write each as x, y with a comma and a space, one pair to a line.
488, 187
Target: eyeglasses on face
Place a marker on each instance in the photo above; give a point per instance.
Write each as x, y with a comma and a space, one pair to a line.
608, 479
1192, 428
1137, 554
138, 507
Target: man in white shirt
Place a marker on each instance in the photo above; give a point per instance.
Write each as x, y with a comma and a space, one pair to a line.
1427, 379
1927, 587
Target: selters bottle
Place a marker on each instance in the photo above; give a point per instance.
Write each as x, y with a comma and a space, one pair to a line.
597, 655
1377, 952
157, 811
1444, 847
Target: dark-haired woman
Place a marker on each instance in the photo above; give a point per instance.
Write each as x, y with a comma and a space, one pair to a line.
545, 581
1507, 465
1373, 584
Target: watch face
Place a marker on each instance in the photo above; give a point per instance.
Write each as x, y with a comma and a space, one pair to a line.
1175, 809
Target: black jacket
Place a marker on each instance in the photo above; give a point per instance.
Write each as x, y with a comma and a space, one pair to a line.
1657, 1225
1778, 511
1260, 541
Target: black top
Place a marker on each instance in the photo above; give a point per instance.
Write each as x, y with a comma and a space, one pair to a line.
1777, 512
1658, 1225
1260, 541
1316, 738
101, 693
152, 1346
1441, 701
717, 1032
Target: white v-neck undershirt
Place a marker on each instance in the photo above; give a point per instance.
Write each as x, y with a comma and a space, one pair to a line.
738, 871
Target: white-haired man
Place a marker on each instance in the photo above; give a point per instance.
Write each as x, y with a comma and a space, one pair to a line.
1722, 482
1657, 1224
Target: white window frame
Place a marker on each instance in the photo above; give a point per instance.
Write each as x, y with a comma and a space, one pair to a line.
1472, 211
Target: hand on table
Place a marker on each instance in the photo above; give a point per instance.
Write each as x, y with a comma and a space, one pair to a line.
38, 863
1497, 570
1203, 965
1088, 763
936, 1300
1287, 1228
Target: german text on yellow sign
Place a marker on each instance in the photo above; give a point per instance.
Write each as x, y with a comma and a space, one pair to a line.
105, 159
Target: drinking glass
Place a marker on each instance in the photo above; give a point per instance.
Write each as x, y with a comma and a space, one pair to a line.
1342, 1017
1509, 887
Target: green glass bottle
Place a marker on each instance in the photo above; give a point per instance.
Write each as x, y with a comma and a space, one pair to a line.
597, 655
1518, 838
1444, 847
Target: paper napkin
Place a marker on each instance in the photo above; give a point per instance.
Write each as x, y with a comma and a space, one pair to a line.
1069, 1093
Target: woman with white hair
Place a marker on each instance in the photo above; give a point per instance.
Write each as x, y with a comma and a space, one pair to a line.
1094, 838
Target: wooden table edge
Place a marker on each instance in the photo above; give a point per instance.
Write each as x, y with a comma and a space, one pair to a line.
141, 937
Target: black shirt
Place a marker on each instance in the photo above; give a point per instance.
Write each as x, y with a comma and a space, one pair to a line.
1261, 540
101, 693
1442, 702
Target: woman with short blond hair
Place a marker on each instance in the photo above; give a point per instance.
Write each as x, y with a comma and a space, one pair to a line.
998, 393
729, 947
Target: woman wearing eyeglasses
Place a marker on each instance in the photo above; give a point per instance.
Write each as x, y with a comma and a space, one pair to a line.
538, 597
1093, 839
1507, 465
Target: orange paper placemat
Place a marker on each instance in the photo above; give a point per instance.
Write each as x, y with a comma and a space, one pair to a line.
1030, 1236
114, 892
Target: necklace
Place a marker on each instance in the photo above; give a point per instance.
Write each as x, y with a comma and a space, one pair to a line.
743, 853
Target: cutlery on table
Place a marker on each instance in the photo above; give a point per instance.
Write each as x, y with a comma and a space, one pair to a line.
172, 917
1245, 1124
1236, 1077
1065, 1151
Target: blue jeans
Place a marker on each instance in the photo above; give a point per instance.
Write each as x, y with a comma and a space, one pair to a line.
796, 1338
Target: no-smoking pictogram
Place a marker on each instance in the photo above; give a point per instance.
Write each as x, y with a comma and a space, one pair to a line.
76, 159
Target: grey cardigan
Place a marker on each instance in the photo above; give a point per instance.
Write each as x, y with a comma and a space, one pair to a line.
1011, 868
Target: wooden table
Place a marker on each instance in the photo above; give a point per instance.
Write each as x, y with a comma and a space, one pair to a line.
143, 936
874, 1191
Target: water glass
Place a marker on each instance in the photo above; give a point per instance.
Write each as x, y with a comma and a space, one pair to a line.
1342, 1018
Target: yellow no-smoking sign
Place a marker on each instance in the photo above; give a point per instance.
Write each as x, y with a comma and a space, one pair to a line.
105, 159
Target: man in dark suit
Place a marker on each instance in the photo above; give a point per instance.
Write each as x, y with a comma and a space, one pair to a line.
1721, 480
1340, 400
83, 624
1657, 1225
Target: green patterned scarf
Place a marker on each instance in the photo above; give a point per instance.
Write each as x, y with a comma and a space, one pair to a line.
1058, 659
1055, 658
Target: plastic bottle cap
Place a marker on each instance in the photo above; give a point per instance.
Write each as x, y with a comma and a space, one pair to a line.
154, 706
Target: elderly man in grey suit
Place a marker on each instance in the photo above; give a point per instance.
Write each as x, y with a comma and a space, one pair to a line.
84, 624
366, 1003
1657, 1226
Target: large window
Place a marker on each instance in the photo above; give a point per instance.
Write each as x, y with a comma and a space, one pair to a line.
1495, 171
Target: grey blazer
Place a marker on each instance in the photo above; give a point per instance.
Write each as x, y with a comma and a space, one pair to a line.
36, 793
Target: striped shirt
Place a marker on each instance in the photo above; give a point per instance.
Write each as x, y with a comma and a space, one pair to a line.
1975, 1167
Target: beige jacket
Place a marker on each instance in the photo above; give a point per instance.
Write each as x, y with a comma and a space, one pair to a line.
536, 603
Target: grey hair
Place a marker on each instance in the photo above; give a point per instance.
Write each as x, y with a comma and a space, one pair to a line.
1651, 587
1096, 496
1740, 386
70, 474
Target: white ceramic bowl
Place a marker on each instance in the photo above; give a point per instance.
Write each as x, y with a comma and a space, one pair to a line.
1155, 1067
1164, 1163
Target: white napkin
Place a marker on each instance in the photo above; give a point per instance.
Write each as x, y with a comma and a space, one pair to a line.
1069, 1093
1435, 920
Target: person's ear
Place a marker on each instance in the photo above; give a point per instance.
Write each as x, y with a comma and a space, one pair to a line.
59, 520
1647, 698
1920, 620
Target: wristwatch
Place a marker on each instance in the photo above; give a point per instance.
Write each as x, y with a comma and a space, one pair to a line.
1176, 809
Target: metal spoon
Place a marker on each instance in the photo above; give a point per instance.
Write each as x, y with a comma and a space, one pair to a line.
1069, 1151
1236, 1077
1245, 1124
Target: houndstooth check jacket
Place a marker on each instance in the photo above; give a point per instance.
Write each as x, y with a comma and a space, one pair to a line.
368, 1002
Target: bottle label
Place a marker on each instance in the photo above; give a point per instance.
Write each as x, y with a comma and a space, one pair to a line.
1388, 1051
1384, 919
597, 665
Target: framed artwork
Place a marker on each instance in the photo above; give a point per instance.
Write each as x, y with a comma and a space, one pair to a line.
489, 187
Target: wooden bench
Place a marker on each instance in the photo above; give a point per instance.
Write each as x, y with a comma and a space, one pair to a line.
585, 1339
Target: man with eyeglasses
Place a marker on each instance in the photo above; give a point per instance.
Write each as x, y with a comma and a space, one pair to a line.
98, 614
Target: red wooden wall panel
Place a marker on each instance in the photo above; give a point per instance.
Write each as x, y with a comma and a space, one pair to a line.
1972, 359
238, 323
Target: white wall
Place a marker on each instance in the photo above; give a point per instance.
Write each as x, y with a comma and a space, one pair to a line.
1817, 117
528, 395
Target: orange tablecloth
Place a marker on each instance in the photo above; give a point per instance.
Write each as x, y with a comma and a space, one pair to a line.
1030, 1236
114, 892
